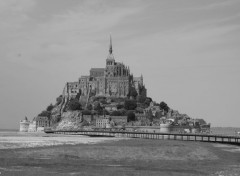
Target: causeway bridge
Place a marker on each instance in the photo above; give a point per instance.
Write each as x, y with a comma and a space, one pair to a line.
157, 136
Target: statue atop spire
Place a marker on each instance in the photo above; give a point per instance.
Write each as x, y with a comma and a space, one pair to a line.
110, 48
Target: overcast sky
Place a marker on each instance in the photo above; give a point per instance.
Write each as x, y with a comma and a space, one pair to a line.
188, 52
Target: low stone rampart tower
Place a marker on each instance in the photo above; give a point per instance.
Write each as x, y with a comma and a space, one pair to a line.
24, 125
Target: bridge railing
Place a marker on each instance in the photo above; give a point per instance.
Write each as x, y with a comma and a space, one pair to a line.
146, 135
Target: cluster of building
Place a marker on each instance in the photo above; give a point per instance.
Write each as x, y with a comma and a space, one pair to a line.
114, 80
38, 124
142, 123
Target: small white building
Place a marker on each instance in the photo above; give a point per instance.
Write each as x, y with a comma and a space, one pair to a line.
24, 124
102, 122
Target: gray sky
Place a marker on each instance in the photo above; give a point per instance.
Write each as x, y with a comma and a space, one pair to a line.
188, 52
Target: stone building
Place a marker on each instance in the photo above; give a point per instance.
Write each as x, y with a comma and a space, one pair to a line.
102, 122
42, 121
24, 124
113, 80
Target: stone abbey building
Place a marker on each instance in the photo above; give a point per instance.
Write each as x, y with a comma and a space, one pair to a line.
114, 80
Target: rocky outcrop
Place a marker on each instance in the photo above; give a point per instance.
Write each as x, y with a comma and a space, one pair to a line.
71, 120
56, 114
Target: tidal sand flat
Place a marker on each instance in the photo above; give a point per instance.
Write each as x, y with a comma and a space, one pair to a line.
14, 140
122, 157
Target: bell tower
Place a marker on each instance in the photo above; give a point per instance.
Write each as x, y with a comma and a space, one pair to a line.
110, 61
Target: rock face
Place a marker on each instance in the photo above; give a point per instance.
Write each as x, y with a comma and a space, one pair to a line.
56, 114
71, 120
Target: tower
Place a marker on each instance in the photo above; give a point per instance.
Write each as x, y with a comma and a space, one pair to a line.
110, 61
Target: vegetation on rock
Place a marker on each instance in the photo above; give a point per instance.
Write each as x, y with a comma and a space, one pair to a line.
45, 114
74, 105
50, 107
164, 106
131, 116
130, 104
59, 100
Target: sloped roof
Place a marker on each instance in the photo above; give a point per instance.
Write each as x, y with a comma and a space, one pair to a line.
41, 118
97, 69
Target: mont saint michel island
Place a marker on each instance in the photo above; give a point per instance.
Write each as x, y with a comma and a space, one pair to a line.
111, 99
119, 88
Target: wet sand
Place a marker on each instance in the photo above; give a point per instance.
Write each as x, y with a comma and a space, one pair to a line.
123, 157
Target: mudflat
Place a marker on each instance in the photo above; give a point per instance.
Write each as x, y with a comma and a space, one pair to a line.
123, 157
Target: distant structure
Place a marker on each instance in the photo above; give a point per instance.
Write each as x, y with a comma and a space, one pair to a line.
24, 124
32, 127
115, 80
42, 121
37, 124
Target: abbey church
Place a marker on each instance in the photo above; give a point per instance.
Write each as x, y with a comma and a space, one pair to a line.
114, 80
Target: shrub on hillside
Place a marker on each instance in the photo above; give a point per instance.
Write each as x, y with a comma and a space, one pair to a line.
102, 112
131, 116
119, 106
130, 104
45, 114
86, 112
116, 113
103, 101
139, 110
89, 107
74, 105
59, 100
141, 99
132, 92
50, 107
97, 106
164, 106
148, 101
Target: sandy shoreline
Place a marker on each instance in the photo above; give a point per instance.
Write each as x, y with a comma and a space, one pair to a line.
79, 155
55, 154
30, 140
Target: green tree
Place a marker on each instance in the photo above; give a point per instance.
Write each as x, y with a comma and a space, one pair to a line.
50, 107
130, 104
74, 105
89, 107
86, 112
132, 92
141, 99
119, 106
103, 111
164, 106
97, 106
59, 100
116, 113
45, 114
131, 116
148, 101
139, 110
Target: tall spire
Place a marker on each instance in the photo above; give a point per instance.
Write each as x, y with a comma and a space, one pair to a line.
110, 48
